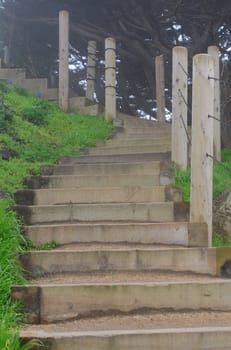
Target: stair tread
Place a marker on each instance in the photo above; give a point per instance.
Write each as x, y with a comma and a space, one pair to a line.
114, 246
124, 277
119, 158
150, 321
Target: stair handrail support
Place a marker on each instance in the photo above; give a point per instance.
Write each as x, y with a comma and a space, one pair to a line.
201, 200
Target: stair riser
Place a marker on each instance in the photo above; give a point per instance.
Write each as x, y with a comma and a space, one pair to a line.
135, 142
165, 233
34, 85
50, 303
101, 181
146, 131
149, 168
153, 212
193, 260
183, 339
130, 149
124, 158
15, 74
92, 195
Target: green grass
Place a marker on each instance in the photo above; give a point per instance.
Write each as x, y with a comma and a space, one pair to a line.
221, 177
33, 133
221, 241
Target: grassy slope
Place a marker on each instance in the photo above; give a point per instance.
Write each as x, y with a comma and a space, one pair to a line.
32, 133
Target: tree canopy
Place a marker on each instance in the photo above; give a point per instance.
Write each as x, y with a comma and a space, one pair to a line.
143, 29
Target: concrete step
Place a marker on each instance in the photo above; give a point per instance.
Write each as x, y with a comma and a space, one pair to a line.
47, 302
146, 168
50, 94
150, 131
132, 149
76, 102
120, 158
135, 142
124, 258
151, 338
137, 212
14, 74
77, 181
36, 85
90, 195
103, 233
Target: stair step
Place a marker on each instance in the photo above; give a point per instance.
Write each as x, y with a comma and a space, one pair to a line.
144, 320
125, 258
76, 102
14, 74
91, 195
146, 212
51, 302
149, 131
130, 277
50, 94
146, 168
149, 337
119, 158
36, 85
134, 149
142, 141
77, 181
146, 233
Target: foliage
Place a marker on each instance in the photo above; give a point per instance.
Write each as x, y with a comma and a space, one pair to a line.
221, 177
6, 112
221, 241
182, 179
37, 112
29, 245
10, 273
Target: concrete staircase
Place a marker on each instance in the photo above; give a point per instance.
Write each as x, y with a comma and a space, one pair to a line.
129, 270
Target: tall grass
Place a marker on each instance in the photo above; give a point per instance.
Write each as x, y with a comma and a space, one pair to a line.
10, 273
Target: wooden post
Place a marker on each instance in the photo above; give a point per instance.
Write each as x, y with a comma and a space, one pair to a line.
160, 86
6, 56
63, 60
214, 51
110, 79
202, 142
179, 106
91, 67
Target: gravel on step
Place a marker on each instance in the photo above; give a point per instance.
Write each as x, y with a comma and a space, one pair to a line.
147, 320
122, 277
114, 246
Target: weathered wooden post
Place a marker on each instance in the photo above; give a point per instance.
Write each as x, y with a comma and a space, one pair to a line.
160, 88
6, 56
63, 60
179, 106
91, 68
202, 142
110, 79
214, 51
